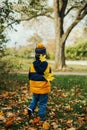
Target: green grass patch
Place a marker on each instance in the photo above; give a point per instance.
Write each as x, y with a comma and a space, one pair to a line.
77, 68
70, 81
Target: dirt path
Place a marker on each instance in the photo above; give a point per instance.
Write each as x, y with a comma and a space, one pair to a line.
71, 62
63, 73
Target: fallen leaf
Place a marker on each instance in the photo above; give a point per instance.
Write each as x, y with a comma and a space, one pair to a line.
1, 113
54, 124
9, 121
46, 125
2, 118
72, 128
5, 94
52, 114
24, 112
23, 98
10, 114
12, 93
18, 119
32, 128
36, 120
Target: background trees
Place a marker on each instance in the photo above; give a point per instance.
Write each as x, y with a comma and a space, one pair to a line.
62, 9
22, 10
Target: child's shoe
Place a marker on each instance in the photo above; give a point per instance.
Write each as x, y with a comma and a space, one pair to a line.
30, 113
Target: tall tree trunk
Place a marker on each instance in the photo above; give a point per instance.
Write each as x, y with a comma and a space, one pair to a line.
60, 43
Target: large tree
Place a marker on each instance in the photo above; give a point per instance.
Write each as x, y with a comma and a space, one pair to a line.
62, 8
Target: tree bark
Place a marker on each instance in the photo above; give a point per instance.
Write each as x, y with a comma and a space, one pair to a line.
60, 57
60, 43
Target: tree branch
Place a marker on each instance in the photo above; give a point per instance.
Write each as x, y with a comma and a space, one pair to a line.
63, 7
70, 9
81, 14
84, 8
26, 19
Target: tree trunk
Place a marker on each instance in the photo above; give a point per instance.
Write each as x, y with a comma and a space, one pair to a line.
60, 42
60, 56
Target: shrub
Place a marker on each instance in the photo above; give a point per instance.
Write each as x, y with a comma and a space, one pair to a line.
77, 51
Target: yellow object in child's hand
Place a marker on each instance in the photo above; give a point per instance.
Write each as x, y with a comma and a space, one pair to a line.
42, 58
49, 76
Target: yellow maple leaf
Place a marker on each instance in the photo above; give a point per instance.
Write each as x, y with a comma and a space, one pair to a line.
42, 58
48, 76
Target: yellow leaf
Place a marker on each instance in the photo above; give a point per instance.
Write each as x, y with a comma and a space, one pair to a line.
1, 113
24, 112
42, 58
6, 94
46, 125
49, 76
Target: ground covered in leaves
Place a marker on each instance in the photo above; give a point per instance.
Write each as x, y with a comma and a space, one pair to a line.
66, 110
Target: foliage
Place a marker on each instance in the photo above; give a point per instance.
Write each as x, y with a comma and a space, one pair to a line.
5, 21
35, 39
8, 65
32, 9
77, 51
66, 107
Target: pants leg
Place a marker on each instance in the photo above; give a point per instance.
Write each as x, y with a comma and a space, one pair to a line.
34, 102
43, 98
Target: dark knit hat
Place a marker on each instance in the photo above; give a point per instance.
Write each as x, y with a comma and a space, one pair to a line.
40, 49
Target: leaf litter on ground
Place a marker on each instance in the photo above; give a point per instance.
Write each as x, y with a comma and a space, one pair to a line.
66, 110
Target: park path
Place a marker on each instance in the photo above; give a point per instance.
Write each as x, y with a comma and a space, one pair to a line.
71, 63
70, 73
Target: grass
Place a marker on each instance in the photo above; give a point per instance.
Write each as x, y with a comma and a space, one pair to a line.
70, 81
78, 68
25, 63
66, 106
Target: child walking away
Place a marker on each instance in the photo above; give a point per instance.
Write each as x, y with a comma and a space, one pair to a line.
39, 79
